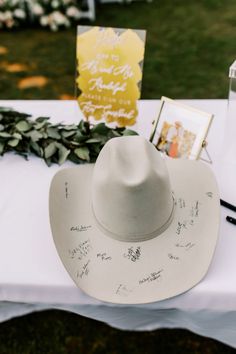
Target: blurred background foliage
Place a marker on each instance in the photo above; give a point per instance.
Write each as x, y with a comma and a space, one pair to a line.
190, 46
58, 332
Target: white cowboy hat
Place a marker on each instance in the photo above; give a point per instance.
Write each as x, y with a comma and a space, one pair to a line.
135, 228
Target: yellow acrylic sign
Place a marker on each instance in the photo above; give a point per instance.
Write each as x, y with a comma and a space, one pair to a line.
109, 73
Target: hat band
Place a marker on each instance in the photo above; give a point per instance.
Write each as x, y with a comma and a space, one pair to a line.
136, 237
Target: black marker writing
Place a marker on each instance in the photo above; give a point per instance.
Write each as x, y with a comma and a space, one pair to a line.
181, 226
172, 257
195, 209
133, 254
122, 290
80, 251
66, 190
84, 271
80, 228
181, 203
151, 277
187, 246
209, 194
104, 257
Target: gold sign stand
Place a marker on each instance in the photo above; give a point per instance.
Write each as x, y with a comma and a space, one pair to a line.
109, 73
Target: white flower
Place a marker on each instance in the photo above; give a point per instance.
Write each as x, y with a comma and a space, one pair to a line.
53, 26
19, 13
7, 15
37, 9
72, 11
67, 23
44, 20
2, 17
55, 4
10, 23
15, 2
59, 18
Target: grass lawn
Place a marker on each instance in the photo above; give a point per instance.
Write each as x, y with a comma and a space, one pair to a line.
190, 46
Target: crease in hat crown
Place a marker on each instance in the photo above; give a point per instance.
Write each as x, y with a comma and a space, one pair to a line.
131, 192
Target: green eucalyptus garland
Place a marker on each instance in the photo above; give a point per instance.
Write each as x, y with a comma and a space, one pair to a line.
55, 143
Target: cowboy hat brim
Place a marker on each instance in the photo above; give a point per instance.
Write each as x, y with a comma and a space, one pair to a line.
136, 272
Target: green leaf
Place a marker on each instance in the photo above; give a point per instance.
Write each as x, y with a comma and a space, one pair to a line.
129, 132
70, 127
62, 153
84, 127
40, 125
42, 119
5, 135
53, 133
79, 138
100, 128
17, 136
34, 135
83, 153
72, 142
93, 141
13, 142
4, 109
67, 134
38, 150
103, 139
81, 125
73, 158
79, 133
95, 149
44, 135
48, 162
50, 150
116, 133
22, 153
23, 126
53, 142
1, 147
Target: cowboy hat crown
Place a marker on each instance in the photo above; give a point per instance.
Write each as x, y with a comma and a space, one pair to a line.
130, 183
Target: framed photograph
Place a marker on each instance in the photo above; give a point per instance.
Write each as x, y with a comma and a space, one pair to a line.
180, 131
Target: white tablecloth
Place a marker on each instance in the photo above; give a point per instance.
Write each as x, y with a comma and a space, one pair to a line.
33, 278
